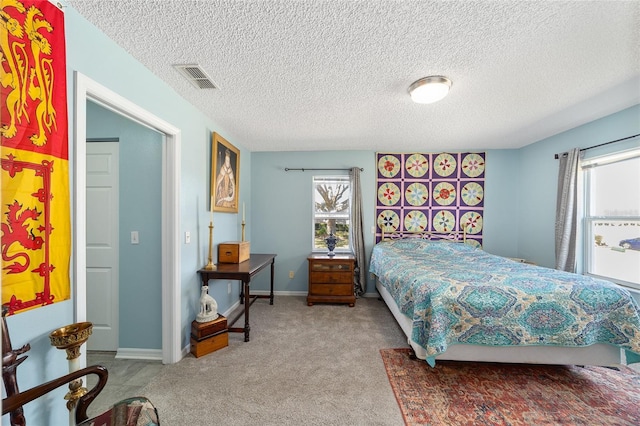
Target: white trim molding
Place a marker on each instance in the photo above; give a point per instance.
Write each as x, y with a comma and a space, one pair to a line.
135, 353
87, 89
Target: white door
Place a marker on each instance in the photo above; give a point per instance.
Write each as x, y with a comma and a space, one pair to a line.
102, 244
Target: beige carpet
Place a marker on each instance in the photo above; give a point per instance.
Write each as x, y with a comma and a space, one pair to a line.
317, 365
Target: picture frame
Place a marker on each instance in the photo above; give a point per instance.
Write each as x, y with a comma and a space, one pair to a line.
225, 175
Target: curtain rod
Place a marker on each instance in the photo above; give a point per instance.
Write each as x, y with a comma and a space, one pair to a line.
287, 169
602, 144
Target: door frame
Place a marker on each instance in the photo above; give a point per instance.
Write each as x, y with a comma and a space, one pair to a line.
87, 89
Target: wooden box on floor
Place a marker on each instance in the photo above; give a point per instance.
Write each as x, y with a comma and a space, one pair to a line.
202, 330
233, 252
209, 344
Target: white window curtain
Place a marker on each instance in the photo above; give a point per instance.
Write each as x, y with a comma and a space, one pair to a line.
566, 211
357, 232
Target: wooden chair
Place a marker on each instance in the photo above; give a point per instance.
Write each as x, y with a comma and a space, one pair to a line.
138, 408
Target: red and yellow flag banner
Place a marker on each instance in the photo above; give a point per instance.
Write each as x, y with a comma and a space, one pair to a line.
36, 232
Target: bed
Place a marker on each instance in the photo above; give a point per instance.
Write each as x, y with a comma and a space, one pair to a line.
457, 302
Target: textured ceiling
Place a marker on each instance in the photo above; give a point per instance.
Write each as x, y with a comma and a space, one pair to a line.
318, 75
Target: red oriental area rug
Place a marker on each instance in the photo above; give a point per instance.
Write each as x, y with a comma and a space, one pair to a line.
475, 393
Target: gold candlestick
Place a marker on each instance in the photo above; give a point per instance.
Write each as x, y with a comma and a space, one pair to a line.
243, 230
210, 266
71, 338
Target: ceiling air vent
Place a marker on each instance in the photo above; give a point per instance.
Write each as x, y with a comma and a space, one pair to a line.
196, 76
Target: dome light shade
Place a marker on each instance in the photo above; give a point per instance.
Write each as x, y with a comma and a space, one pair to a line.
430, 89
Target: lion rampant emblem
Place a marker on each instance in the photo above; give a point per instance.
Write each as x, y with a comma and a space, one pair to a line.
16, 231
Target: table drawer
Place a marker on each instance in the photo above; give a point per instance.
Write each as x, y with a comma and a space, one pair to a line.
331, 266
331, 289
330, 277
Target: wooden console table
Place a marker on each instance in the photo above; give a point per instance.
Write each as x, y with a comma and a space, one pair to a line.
242, 272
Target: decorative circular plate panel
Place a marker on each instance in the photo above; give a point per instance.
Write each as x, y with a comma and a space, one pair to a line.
415, 221
417, 165
388, 221
389, 193
444, 221
472, 193
416, 194
472, 165
444, 193
388, 166
444, 165
472, 221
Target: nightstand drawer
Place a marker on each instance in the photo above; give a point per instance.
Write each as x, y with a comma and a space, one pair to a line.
331, 289
333, 266
331, 277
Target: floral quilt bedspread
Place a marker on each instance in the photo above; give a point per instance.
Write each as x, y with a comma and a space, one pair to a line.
456, 293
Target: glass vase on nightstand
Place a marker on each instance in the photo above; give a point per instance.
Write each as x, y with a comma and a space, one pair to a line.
331, 241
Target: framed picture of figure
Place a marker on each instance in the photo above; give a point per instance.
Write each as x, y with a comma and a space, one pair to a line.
225, 175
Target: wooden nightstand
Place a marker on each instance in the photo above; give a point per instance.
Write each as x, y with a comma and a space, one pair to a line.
331, 279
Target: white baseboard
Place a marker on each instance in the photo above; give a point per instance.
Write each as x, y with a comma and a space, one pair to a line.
292, 293
186, 350
135, 353
279, 293
228, 311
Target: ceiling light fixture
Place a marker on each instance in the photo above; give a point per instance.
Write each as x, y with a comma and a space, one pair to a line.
430, 89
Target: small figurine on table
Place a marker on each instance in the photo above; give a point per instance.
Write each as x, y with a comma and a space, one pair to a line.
208, 306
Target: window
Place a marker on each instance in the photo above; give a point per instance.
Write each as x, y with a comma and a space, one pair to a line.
612, 217
331, 208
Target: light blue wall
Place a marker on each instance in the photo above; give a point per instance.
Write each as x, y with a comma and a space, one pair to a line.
502, 197
44, 362
281, 208
538, 174
90, 52
281, 212
140, 174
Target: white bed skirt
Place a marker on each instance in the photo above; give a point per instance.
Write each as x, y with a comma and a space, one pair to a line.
599, 354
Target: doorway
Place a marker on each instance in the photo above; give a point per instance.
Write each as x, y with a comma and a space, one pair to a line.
87, 89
